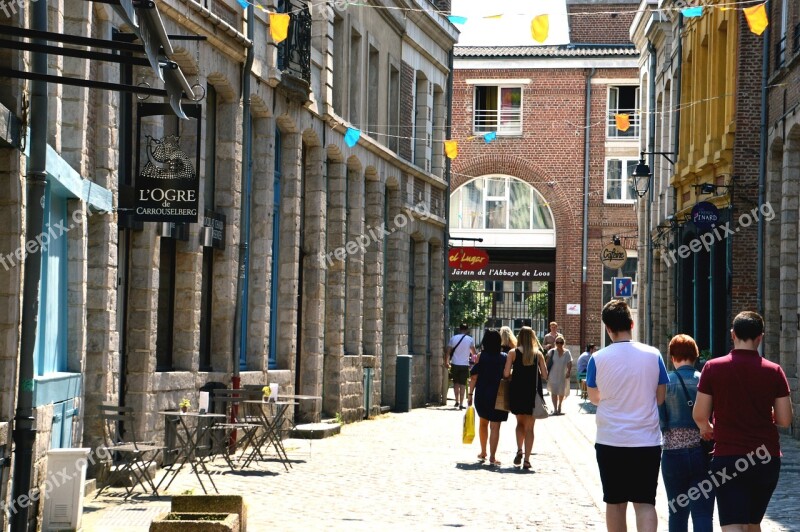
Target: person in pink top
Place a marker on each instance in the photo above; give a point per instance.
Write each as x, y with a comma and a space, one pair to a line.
749, 398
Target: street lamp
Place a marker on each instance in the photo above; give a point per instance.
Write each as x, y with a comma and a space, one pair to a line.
641, 178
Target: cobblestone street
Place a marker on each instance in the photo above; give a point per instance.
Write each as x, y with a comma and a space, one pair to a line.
410, 471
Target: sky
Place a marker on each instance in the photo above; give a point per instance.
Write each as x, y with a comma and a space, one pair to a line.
514, 27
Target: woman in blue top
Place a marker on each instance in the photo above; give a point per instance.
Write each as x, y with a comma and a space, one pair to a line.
485, 378
684, 465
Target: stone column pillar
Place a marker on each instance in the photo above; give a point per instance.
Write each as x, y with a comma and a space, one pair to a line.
227, 196
789, 297
311, 369
373, 283
334, 297
396, 300
289, 269
356, 240
437, 320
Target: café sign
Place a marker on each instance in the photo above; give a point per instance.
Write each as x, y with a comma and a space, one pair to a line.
468, 259
705, 215
613, 256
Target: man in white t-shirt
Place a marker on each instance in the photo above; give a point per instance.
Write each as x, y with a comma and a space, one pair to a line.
457, 358
627, 381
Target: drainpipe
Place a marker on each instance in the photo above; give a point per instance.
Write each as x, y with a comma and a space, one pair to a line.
585, 250
446, 253
762, 170
240, 312
676, 148
651, 144
24, 433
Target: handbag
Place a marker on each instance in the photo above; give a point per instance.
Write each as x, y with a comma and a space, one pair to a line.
539, 410
468, 432
707, 445
503, 399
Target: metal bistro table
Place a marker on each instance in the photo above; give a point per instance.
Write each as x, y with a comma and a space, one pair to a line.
188, 440
271, 415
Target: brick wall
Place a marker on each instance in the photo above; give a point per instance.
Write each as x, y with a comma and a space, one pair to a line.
745, 167
600, 24
406, 111
549, 156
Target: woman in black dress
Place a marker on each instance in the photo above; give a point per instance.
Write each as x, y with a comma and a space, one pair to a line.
526, 367
485, 378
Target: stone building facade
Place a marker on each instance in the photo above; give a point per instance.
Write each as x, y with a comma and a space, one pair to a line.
346, 244
545, 141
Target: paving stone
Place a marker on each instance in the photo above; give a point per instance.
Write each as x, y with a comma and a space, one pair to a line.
411, 471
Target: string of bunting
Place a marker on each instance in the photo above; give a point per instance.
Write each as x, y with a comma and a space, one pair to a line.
756, 16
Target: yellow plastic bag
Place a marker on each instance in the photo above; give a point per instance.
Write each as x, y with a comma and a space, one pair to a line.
469, 426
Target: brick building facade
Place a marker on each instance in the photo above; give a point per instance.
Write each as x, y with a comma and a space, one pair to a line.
144, 313
542, 142
782, 191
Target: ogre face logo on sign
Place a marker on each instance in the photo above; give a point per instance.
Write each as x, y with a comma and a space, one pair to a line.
166, 159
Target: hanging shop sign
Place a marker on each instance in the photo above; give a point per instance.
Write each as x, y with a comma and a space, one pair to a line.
468, 259
167, 184
613, 256
705, 215
506, 271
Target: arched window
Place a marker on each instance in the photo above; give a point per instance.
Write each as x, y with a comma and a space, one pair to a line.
499, 202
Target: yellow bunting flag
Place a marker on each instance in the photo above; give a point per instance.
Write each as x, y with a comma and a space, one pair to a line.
623, 122
494, 16
756, 18
451, 148
279, 26
540, 27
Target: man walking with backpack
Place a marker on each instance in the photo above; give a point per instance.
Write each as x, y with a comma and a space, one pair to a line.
460, 350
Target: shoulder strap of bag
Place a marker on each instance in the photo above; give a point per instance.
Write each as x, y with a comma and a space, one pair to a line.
685, 391
458, 344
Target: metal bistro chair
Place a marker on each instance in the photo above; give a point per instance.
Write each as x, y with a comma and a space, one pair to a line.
227, 401
131, 453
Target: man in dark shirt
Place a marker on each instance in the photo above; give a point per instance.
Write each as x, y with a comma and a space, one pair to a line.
749, 397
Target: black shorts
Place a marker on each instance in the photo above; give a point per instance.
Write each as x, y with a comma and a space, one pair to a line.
460, 374
744, 488
628, 474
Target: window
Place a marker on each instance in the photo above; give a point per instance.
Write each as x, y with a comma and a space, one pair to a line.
522, 289
780, 47
166, 304
273, 291
338, 85
496, 288
355, 78
51, 331
624, 100
497, 109
619, 180
394, 108
373, 69
499, 202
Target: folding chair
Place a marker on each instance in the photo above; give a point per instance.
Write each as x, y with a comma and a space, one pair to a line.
581, 386
132, 454
225, 438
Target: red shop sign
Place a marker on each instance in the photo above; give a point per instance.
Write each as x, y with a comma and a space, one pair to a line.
469, 259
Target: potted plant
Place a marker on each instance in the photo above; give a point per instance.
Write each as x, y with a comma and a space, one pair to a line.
267, 391
184, 405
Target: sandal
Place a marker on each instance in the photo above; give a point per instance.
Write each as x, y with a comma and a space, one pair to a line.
526, 465
481, 458
518, 458
495, 463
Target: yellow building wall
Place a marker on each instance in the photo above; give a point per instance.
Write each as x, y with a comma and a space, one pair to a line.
708, 86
